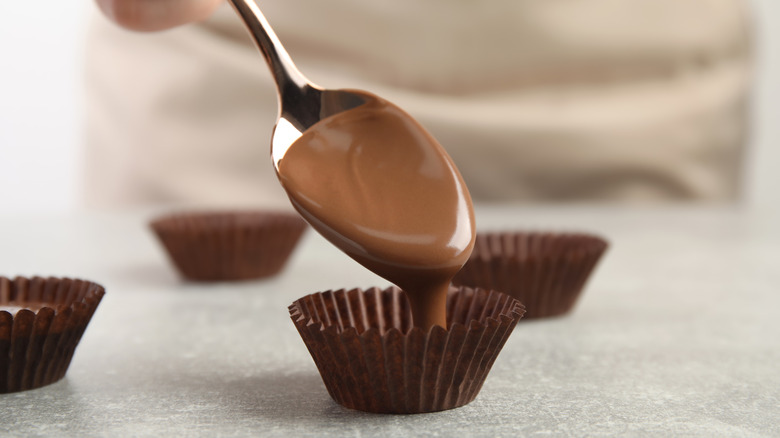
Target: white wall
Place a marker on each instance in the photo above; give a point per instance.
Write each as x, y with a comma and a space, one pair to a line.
763, 172
40, 104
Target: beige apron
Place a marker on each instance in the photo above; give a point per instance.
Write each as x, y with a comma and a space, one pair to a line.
590, 100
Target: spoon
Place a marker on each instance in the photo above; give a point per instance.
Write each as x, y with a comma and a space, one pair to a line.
370, 179
301, 102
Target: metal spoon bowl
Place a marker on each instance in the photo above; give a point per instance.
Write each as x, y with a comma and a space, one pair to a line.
301, 102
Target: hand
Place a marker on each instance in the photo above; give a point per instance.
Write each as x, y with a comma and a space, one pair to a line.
153, 15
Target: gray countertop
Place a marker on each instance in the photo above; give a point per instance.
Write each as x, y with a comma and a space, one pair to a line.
677, 333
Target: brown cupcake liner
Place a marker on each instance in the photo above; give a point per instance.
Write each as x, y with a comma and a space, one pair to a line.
224, 246
372, 359
545, 271
37, 341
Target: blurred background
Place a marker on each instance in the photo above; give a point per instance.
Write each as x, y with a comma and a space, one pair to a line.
42, 106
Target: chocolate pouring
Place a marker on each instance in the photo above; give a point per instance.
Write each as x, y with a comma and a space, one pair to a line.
380, 188
369, 178
377, 185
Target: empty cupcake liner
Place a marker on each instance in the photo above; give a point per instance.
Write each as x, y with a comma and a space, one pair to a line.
372, 359
545, 271
41, 323
224, 246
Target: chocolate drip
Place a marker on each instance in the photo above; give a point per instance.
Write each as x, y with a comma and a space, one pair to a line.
377, 185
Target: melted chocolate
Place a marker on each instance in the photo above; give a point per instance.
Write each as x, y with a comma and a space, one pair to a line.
377, 185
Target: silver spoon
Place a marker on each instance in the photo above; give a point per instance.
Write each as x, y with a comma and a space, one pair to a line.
301, 103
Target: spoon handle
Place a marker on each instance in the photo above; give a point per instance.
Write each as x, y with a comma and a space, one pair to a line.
286, 75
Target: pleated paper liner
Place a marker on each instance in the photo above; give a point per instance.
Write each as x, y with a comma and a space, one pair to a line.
225, 246
372, 359
545, 271
41, 323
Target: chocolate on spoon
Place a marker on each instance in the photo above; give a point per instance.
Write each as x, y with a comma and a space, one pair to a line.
370, 179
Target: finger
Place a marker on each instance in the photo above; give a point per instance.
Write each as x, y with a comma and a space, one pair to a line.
153, 15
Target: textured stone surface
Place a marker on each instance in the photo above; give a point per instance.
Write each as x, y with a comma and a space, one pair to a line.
676, 334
